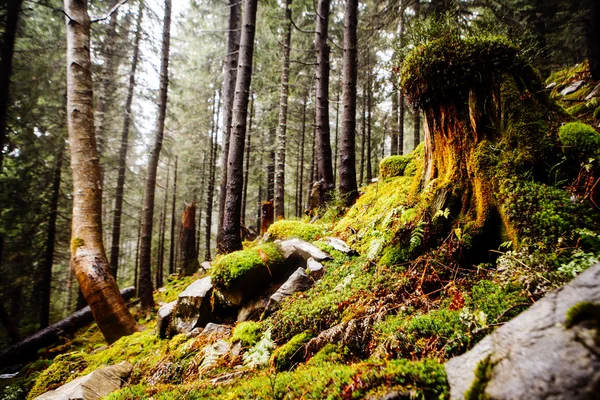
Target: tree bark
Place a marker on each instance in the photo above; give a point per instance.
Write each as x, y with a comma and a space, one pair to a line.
323, 145
9, 325
283, 115
336, 154
211, 182
592, 36
231, 219
271, 176
46, 285
187, 241
369, 117
202, 190
161, 236
363, 136
173, 205
247, 167
348, 187
116, 232
88, 258
229, 86
302, 141
395, 140
6, 61
147, 220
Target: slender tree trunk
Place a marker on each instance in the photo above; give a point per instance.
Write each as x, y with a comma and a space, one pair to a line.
592, 36
302, 140
231, 220
271, 177
401, 112
258, 208
163, 230
187, 241
88, 258
107, 81
229, 86
137, 260
395, 125
283, 115
324, 165
211, 183
363, 136
369, 171
116, 232
46, 286
247, 167
348, 187
6, 62
200, 201
336, 153
173, 205
147, 220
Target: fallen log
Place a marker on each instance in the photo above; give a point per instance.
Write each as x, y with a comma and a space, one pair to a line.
27, 349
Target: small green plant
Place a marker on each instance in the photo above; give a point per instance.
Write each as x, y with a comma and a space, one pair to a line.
582, 311
248, 333
260, 353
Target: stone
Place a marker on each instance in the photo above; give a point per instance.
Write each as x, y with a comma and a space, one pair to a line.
304, 249
216, 329
163, 319
340, 245
93, 386
593, 93
314, 269
535, 355
551, 85
206, 266
193, 307
253, 309
572, 88
297, 282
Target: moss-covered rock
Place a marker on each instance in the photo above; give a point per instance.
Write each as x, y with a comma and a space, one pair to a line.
580, 140
290, 353
65, 368
393, 166
286, 229
247, 333
582, 311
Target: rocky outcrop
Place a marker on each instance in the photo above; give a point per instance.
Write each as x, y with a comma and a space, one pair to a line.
253, 309
193, 307
551, 351
340, 245
303, 249
297, 282
92, 386
314, 269
163, 319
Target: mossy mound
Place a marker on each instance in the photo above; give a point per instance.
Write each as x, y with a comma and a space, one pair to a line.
580, 141
286, 229
292, 352
234, 266
65, 368
247, 333
393, 166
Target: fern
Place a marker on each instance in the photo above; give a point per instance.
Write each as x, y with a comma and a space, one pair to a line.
416, 237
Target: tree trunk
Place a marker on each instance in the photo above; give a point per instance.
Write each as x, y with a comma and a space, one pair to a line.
323, 146
271, 177
9, 326
417, 129
258, 207
46, 285
231, 219
400, 99
88, 258
394, 136
147, 220
336, 154
107, 81
200, 201
173, 206
247, 168
369, 117
363, 136
283, 115
118, 211
229, 86
211, 182
6, 61
161, 236
187, 241
348, 187
592, 36
302, 140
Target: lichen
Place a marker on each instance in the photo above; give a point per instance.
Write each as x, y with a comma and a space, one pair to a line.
286, 229
582, 311
76, 243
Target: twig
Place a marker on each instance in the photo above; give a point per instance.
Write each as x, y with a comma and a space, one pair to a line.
110, 12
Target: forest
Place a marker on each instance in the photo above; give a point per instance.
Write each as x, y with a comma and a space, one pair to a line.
380, 199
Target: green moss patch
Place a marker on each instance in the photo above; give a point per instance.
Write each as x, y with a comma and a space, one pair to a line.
65, 368
286, 229
582, 311
290, 353
483, 374
393, 166
248, 333
580, 140
232, 267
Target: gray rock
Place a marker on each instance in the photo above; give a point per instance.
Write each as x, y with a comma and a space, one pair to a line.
193, 306
314, 269
551, 85
163, 319
535, 356
593, 93
216, 329
253, 309
297, 282
340, 245
305, 249
213, 353
571, 88
206, 266
92, 386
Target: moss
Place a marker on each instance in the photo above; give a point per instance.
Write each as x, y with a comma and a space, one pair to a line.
580, 140
483, 374
285, 229
330, 353
248, 333
394, 256
597, 113
76, 243
582, 311
65, 368
393, 166
290, 353
234, 266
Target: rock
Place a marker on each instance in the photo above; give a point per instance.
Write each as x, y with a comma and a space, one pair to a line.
193, 307
315, 269
163, 319
593, 93
571, 88
213, 353
304, 249
227, 377
93, 386
206, 266
253, 309
193, 333
297, 282
551, 85
216, 329
535, 356
340, 245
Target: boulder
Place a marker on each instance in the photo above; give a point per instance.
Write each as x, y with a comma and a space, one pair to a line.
163, 319
572, 88
304, 249
216, 329
193, 307
297, 282
206, 266
340, 245
314, 269
253, 309
542, 353
92, 386
593, 93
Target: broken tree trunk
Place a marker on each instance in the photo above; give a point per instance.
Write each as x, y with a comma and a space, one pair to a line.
187, 242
